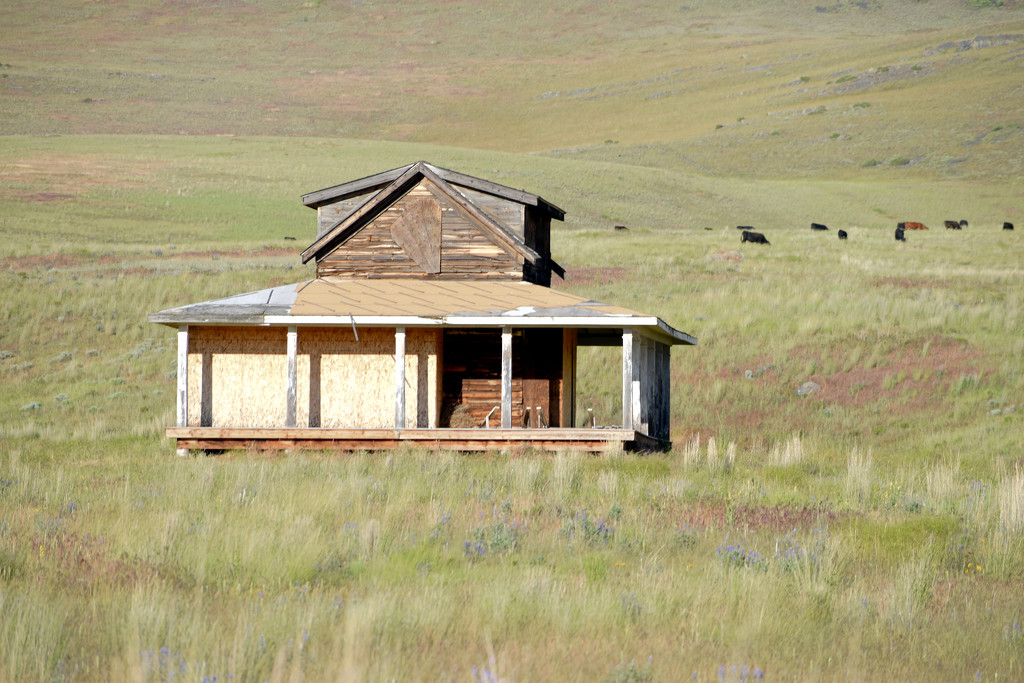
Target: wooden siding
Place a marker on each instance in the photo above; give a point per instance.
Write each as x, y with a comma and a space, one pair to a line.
508, 213
330, 215
465, 250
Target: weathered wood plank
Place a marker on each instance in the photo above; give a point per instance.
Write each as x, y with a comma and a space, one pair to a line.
594, 440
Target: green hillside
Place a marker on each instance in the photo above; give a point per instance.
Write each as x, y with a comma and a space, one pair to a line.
724, 88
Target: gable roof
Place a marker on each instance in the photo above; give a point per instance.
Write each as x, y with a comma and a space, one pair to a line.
379, 180
401, 180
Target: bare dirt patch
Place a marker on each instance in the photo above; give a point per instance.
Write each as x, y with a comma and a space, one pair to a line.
918, 372
776, 518
68, 261
594, 276
906, 283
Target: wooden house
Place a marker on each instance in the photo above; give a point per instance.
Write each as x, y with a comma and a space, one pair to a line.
430, 321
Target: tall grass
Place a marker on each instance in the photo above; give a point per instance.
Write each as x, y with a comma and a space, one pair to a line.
422, 566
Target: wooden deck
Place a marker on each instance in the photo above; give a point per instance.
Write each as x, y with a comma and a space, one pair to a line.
591, 440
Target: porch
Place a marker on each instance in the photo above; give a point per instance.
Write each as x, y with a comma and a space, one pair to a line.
597, 440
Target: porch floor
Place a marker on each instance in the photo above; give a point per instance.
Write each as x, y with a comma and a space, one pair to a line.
592, 440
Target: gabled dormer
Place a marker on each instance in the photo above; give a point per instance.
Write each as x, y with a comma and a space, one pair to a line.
424, 221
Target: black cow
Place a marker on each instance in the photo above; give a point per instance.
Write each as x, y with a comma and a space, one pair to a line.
842, 234
818, 226
1007, 226
744, 227
963, 223
755, 237
899, 235
953, 225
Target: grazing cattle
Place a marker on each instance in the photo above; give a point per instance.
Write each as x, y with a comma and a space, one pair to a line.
842, 234
963, 224
1007, 226
912, 226
818, 226
899, 235
744, 227
755, 237
953, 225
621, 227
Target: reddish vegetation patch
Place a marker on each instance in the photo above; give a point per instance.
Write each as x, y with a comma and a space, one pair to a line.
235, 253
945, 361
85, 561
904, 283
772, 518
41, 197
591, 276
58, 260
36, 261
726, 255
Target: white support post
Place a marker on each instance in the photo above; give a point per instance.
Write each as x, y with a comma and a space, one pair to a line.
399, 378
646, 375
627, 379
506, 378
292, 379
182, 373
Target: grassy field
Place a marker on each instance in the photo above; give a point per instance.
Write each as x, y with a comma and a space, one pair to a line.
869, 529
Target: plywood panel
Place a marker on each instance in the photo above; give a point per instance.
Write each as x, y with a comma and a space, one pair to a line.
349, 383
237, 376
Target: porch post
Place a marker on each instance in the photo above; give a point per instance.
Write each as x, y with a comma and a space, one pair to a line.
290, 397
399, 378
568, 394
182, 380
627, 379
506, 378
183, 375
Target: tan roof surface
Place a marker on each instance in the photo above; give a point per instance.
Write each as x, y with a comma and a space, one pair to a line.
395, 301
331, 296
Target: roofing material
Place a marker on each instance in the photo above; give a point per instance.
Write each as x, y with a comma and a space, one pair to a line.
391, 302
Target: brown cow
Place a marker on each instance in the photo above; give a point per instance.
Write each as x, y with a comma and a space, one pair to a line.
912, 226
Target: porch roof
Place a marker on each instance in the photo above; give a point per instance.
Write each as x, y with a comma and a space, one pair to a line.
416, 303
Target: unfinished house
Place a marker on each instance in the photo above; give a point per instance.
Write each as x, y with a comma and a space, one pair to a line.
430, 322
